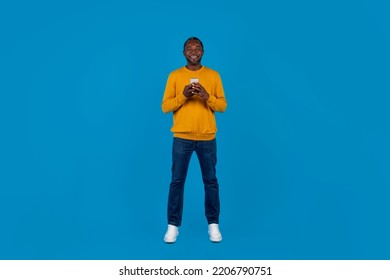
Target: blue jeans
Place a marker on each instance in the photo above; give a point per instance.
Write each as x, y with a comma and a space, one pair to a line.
207, 155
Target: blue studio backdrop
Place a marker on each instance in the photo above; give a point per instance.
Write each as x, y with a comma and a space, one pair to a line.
303, 148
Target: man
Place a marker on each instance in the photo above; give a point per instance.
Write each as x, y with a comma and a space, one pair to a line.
193, 93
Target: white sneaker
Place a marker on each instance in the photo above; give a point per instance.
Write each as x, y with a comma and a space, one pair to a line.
214, 233
171, 234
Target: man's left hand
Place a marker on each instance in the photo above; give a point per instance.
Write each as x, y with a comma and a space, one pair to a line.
199, 90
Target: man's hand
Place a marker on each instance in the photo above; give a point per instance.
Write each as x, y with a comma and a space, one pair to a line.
198, 89
188, 91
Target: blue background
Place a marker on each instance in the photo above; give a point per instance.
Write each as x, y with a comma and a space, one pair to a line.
303, 147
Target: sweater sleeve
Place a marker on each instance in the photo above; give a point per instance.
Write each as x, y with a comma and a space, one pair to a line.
172, 101
217, 101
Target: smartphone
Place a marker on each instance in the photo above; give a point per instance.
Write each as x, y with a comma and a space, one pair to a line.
194, 80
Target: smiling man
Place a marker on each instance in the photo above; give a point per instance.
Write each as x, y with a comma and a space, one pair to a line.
193, 93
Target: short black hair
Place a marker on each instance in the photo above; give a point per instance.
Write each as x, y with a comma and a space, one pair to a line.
190, 39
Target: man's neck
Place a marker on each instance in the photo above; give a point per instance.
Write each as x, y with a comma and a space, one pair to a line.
193, 67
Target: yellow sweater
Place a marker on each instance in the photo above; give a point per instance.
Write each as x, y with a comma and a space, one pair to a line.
194, 118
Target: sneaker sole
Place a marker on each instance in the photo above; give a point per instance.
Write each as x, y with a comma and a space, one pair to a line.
215, 240
171, 242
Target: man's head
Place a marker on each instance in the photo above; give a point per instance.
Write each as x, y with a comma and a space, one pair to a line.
193, 51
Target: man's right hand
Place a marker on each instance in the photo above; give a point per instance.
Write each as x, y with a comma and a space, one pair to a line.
188, 91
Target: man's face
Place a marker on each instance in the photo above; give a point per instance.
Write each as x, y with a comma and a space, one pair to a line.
193, 52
